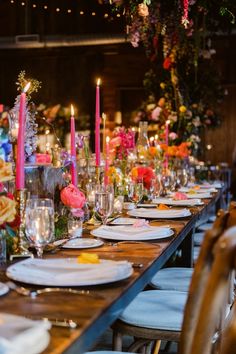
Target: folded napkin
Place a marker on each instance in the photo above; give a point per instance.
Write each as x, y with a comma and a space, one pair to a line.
168, 201
205, 195
131, 232
155, 213
208, 189
67, 272
19, 335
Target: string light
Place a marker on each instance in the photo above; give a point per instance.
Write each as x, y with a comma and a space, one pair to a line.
23, 3
45, 7
118, 15
81, 13
106, 15
34, 6
93, 13
69, 11
12, 1
58, 9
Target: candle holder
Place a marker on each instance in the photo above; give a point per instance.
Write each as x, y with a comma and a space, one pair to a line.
21, 250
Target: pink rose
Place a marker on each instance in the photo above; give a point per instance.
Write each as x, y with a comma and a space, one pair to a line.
180, 196
72, 197
156, 113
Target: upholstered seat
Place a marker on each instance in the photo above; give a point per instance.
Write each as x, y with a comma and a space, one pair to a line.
149, 310
198, 238
205, 226
173, 278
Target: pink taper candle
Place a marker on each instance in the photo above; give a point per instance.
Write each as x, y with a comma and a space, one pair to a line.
73, 169
167, 142
107, 161
20, 154
97, 125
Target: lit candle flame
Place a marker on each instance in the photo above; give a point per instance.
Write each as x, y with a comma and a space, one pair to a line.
156, 137
27, 86
72, 110
107, 139
151, 139
98, 82
168, 121
104, 116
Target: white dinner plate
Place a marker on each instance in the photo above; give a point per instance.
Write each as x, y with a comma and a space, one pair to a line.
130, 233
159, 214
79, 243
199, 195
200, 190
123, 221
3, 289
68, 272
186, 202
21, 335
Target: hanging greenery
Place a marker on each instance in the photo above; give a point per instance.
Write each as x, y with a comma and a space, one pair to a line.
183, 85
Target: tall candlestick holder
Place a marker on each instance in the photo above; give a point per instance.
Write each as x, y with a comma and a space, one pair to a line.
22, 250
98, 174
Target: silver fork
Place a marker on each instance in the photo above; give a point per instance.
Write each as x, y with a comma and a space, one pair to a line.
34, 293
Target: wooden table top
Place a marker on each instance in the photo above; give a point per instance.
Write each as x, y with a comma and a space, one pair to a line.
95, 314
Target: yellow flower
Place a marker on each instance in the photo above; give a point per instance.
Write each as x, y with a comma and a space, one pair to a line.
7, 209
5, 171
182, 109
162, 85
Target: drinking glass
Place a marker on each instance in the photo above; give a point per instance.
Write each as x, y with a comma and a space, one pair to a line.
39, 223
135, 191
104, 202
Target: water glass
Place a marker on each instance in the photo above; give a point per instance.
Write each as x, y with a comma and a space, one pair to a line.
39, 223
135, 192
104, 202
75, 227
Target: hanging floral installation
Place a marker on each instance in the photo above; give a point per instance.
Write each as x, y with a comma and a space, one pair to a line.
182, 85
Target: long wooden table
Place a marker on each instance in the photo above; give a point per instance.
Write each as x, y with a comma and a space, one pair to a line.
95, 314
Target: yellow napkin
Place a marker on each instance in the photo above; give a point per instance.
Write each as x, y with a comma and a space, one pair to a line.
88, 258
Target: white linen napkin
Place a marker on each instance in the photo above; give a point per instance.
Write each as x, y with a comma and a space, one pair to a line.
156, 213
67, 271
19, 335
167, 201
128, 230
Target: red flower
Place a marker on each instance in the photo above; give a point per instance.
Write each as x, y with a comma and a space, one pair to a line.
144, 173
167, 64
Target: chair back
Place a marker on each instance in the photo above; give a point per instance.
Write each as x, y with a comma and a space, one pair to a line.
199, 280
214, 303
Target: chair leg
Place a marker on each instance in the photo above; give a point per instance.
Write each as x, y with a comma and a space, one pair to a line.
117, 341
157, 347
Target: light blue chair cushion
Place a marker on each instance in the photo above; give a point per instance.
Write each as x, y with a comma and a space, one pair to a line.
198, 238
212, 218
205, 226
172, 279
156, 309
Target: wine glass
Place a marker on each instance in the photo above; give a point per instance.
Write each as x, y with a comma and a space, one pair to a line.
135, 191
104, 201
39, 223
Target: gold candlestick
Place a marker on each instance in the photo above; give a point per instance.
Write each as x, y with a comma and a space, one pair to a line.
21, 250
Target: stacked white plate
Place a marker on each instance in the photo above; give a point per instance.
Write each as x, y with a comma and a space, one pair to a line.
159, 214
68, 272
186, 202
131, 233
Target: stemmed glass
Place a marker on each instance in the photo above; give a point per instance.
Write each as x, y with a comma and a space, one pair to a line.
135, 191
39, 223
104, 201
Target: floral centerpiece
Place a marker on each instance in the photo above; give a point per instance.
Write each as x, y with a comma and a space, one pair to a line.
121, 145
9, 218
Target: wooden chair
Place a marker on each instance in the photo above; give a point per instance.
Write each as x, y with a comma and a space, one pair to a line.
229, 337
204, 334
153, 331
